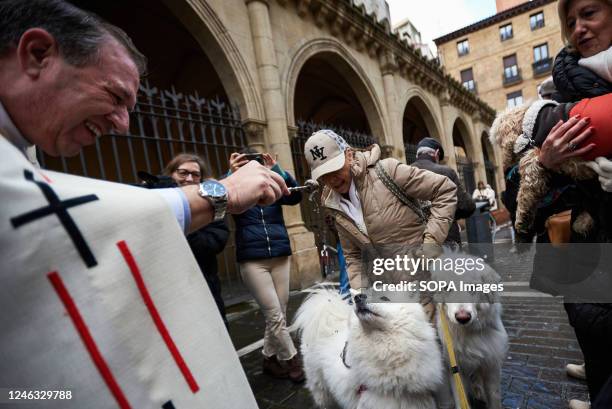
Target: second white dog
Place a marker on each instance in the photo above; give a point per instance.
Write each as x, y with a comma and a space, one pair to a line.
480, 339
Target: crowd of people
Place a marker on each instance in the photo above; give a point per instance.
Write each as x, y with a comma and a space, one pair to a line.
67, 77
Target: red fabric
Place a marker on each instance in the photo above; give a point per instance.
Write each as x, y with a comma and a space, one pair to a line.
88, 340
599, 110
159, 324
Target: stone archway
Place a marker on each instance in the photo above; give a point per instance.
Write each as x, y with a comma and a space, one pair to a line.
333, 57
224, 54
418, 122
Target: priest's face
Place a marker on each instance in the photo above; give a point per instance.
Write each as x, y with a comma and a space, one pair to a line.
77, 105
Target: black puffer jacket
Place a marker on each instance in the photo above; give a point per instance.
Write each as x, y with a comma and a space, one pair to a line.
592, 322
574, 82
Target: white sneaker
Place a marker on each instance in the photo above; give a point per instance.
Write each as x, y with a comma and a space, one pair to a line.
579, 404
576, 371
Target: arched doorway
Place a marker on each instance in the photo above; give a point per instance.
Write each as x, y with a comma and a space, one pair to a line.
323, 96
463, 155
328, 94
417, 123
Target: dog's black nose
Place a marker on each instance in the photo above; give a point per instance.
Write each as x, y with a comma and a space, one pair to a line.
463, 317
360, 299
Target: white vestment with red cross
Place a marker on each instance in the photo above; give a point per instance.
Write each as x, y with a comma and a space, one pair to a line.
101, 296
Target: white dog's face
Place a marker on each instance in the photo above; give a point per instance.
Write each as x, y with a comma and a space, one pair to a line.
392, 343
380, 314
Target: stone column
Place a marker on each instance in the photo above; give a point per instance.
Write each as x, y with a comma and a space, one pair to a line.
447, 131
480, 172
389, 68
254, 131
305, 261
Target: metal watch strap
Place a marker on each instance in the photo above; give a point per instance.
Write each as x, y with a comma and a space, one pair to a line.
219, 205
399, 193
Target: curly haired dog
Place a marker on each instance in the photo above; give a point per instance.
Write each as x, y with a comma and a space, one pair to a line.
520, 131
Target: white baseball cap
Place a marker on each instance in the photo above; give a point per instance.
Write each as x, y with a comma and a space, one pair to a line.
324, 152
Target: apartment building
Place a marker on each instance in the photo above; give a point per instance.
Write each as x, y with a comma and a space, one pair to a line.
504, 58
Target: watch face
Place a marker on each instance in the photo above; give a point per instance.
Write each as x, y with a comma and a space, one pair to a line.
213, 188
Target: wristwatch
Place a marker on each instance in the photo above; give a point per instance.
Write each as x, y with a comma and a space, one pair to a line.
216, 194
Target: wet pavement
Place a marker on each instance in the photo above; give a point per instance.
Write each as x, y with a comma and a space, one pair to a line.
541, 344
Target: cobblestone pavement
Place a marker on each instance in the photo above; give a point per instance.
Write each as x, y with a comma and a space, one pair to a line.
541, 344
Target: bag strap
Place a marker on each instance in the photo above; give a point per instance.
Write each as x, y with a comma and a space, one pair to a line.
399, 193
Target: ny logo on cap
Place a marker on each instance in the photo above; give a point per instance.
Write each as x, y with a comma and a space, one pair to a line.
317, 153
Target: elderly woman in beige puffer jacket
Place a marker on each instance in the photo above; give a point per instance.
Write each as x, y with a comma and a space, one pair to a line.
367, 213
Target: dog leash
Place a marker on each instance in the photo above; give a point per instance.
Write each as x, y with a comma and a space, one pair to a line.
463, 401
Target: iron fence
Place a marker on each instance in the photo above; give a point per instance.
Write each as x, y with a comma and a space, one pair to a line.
411, 151
313, 215
466, 174
490, 171
165, 123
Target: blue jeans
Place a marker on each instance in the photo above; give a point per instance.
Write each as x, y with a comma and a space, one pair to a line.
344, 281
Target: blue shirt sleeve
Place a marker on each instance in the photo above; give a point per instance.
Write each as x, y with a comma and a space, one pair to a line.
177, 200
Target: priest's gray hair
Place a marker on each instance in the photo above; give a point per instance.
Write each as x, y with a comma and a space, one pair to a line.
79, 34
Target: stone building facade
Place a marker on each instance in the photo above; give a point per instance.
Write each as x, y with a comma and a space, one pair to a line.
504, 58
226, 73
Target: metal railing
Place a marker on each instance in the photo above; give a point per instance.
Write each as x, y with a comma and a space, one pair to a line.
542, 67
511, 79
466, 174
411, 151
163, 124
490, 172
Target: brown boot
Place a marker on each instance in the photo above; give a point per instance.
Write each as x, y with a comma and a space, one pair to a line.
271, 366
296, 371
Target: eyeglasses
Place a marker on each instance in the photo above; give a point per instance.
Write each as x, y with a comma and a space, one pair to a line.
183, 173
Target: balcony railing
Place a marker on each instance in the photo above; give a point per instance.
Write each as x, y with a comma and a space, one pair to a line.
512, 79
542, 67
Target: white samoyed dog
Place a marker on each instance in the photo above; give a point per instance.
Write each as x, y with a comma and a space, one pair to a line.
370, 356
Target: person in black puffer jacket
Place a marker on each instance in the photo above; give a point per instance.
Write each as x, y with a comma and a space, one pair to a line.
574, 82
263, 250
587, 29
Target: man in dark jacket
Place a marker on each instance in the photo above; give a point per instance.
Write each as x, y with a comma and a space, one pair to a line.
429, 154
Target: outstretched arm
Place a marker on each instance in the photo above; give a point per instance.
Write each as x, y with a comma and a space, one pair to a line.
250, 185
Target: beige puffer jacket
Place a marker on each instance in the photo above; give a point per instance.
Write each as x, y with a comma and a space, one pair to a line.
387, 220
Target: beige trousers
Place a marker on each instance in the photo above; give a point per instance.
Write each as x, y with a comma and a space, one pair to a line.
268, 282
